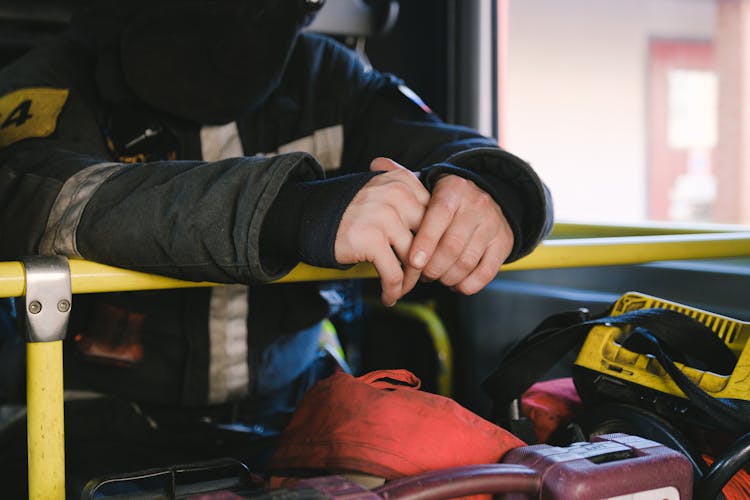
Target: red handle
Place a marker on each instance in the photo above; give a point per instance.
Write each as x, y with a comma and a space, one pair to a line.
462, 481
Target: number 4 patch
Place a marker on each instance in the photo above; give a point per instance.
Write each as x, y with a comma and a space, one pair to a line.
30, 112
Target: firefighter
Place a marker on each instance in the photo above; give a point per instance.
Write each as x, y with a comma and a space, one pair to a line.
216, 141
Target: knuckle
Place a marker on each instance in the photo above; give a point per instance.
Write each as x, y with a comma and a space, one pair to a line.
468, 260
485, 275
402, 174
389, 214
391, 281
455, 181
398, 178
431, 273
452, 245
471, 285
387, 222
399, 192
451, 203
447, 202
483, 204
484, 200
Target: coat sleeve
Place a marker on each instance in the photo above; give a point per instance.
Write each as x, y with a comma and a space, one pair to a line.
61, 193
383, 117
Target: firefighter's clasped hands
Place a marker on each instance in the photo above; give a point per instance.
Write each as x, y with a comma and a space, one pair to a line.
457, 234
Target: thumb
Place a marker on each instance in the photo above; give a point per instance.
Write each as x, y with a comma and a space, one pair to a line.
385, 164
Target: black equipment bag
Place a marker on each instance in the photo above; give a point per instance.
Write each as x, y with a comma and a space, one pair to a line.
668, 335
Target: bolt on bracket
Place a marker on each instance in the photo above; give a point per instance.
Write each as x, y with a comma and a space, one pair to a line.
48, 298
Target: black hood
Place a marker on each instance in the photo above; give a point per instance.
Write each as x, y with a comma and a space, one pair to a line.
207, 61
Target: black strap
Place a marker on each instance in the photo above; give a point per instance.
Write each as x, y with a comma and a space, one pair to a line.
534, 355
687, 339
669, 333
729, 415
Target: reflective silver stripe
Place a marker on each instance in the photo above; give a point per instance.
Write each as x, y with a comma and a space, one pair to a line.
227, 325
60, 234
229, 376
325, 144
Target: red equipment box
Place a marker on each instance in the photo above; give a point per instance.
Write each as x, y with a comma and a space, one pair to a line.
612, 466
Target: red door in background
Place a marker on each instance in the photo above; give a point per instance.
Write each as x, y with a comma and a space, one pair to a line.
683, 130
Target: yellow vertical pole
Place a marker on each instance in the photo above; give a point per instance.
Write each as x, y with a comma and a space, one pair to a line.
46, 435
45, 310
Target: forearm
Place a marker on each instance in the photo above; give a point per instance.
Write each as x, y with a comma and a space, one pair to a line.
190, 220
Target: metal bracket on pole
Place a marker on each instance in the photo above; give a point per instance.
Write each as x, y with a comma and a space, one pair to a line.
48, 298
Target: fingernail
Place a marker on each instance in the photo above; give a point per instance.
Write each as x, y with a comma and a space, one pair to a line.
419, 259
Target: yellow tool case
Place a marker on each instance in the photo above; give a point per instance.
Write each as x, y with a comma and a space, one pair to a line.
603, 354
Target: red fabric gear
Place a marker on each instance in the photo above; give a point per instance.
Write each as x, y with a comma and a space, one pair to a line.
381, 424
549, 404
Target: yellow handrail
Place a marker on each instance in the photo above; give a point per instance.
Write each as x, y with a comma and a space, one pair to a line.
91, 277
602, 230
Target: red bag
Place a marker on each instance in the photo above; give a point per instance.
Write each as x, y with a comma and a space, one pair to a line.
382, 425
550, 404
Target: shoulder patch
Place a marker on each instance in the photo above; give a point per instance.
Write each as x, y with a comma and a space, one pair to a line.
30, 112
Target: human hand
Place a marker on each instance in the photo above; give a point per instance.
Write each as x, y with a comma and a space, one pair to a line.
378, 225
463, 239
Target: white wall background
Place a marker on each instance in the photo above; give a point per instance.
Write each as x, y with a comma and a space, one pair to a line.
576, 101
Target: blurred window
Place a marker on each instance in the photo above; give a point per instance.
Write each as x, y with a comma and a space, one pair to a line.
631, 110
